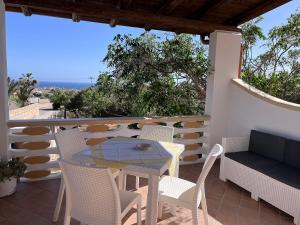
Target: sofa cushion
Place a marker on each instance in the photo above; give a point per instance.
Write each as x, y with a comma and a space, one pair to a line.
272, 168
252, 160
268, 145
292, 153
285, 174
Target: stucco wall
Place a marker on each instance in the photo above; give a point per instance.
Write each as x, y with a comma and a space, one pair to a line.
224, 59
27, 112
252, 109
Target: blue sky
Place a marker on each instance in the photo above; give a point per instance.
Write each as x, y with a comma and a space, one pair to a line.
55, 49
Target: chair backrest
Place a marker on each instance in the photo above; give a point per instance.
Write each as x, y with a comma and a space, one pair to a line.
157, 133
92, 194
70, 142
211, 158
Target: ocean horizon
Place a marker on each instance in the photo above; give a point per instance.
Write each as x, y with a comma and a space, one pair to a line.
65, 85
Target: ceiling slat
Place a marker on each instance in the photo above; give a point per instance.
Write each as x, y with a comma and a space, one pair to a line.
259, 9
168, 6
209, 6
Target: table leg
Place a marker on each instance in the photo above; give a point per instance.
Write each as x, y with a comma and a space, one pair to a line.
176, 174
152, 200
120, 180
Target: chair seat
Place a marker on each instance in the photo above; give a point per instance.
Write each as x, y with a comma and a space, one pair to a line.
173, 188
128, 199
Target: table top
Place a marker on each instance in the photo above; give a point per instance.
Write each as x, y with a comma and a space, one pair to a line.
121, 153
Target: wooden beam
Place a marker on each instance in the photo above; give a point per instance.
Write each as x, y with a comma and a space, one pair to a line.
247, 15
204, 40
75, 17
209, 6
107, 11
113, 22
26, 11
147, 27
125, 4
168, 6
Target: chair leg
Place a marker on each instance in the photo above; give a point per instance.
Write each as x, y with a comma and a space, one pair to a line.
297, 220
137, 182
124, 181
195, 216
173, 209
119, 181
139, 212
67, 220
160, 209
254, 196
59, 200
204, 208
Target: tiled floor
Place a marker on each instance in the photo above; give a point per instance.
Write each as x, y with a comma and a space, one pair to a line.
33, 204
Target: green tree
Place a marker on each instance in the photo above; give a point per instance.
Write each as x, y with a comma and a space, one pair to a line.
12, 86
60, 99
277, 70
150, 75
25, 87
89, 103
251, 34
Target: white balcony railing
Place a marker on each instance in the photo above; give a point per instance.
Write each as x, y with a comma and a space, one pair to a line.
33, 140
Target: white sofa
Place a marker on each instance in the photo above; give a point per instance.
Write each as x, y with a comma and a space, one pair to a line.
261, 185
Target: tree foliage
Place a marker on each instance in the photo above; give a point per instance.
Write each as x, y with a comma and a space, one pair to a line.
277, 70
25, 88
151, 75
148, 76
12, 86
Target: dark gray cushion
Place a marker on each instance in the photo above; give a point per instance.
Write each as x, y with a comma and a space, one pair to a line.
268, 145
285, 174
252, 160
292, 153
272, 168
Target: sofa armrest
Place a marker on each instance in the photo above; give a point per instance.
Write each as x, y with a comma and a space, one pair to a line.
235, 144
232, 144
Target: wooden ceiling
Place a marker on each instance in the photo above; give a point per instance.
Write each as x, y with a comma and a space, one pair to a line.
180, 16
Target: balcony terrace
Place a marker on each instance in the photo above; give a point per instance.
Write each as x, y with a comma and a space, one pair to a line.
233, 108
228, 204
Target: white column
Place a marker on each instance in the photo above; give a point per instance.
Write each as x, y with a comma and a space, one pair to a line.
224, 59
3, 86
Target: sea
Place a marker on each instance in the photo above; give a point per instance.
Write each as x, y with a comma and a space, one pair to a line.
64, 85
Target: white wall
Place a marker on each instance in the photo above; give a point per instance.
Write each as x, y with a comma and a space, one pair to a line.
3, 86
247, 111
233, 109
224, 59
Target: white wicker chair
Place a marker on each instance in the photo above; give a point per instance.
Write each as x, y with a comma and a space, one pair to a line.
176, 191
155, 133
93, 197
69, 142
